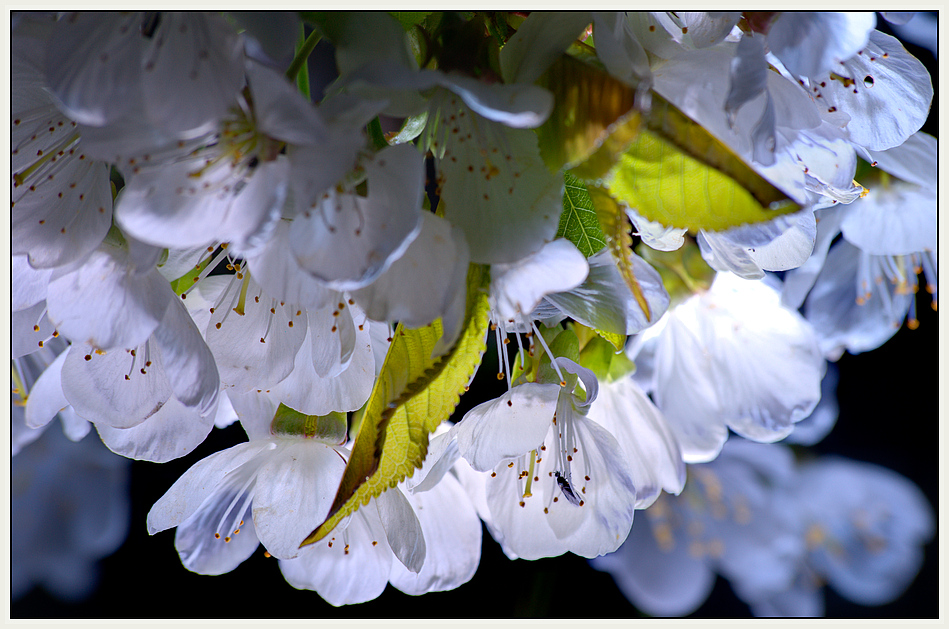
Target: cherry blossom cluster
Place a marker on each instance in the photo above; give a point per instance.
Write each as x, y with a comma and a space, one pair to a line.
197, 239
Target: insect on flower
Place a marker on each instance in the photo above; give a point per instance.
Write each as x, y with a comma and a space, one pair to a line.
567, 489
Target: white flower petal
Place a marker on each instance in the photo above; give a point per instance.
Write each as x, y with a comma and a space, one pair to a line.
507, 426
243, 359
657, 235
348, 241
172, 432
914, 160
896, 220
190, 203
648, 443
687, 398
808, 43
200, 481
707, 28
275, 269
604, 302
618, 47
518, 106
842, 315
420, 286
308, 392
403, 530
28, 285
201, 552
194, 59
46, 398
517, 288
187, 361
102, 302
452, 533
609, 495
766, 361
887, 94
30, 329
112, 389
63, 210
660, 582
506, 200
295, 488
522, 531
93, 64
350, 566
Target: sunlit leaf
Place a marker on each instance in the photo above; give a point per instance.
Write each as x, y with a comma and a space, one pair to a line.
593, 120
677, 174
578, 223
413, 394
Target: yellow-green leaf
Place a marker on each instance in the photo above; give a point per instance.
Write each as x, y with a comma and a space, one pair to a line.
616, 229
329, 428
593, 119
578, 223
413, 394
679, 175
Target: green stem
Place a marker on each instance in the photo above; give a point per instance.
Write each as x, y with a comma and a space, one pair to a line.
375, 134
299, 61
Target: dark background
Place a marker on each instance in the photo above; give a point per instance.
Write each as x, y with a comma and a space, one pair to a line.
888, 415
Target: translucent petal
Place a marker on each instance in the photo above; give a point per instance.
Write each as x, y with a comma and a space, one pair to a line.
348, 241
518, 106
495, 186
517, 288
172, 432
809, 43
101, 301
294, 490
403, 529
452, 533
93, 64
885, 90
351, 566
194, 59
650, 447
660, 582
46, 398
243, 360
508, 426
187, 360
420, 286
199, 483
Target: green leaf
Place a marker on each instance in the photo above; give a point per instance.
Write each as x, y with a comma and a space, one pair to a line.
330, 428
413, 394
578, 223
593, 120
677, 174
565, 344
412, 127
408, 19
